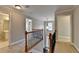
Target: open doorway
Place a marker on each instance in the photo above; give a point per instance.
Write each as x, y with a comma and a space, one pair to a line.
4, 30
64, 30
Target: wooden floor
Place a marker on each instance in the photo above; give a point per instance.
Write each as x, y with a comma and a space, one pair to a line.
18, 48
64, 47
61, 47
3, 43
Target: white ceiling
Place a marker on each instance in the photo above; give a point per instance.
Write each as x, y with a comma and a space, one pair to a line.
43, 12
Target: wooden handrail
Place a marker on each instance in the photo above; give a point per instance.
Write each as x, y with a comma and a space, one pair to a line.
34, 31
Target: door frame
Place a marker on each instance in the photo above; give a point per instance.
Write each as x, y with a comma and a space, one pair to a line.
3, 13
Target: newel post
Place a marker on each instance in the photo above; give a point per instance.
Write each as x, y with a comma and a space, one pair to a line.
25, 41
50, 42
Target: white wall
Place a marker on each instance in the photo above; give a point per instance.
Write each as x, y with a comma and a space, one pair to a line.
64, 27
76, 27
17, 26
37, 24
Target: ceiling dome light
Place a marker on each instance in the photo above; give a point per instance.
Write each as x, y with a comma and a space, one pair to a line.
17, 6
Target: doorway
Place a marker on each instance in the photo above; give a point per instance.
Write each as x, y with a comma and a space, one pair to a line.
4, 30
64, 28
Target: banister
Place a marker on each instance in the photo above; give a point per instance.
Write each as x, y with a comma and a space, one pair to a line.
26, 33
36, 30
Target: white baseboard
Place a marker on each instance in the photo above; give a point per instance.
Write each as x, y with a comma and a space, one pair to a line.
19, 41
75, 47
64, 39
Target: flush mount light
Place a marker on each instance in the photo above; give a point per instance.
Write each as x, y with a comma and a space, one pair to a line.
17, 6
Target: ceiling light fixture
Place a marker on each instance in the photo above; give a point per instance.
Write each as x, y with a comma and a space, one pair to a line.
17, 6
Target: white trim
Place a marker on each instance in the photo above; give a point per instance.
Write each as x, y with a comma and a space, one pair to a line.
17, 42
67, 37
64, 39
9, 34
75, 46
3, 13
65, 10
